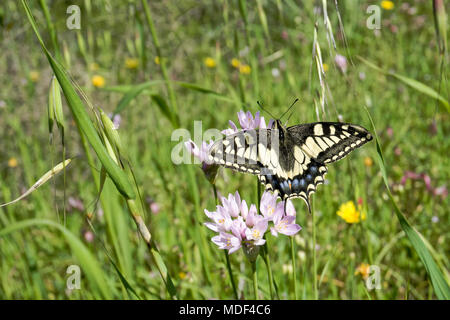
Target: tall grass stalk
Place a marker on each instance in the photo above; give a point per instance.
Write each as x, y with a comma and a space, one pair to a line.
162, 59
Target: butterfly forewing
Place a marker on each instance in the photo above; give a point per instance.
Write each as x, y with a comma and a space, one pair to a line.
328, 142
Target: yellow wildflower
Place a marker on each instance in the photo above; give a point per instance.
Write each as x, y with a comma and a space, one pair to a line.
182, 275
235, 63
245, 69
34, 76
368, 162
157, 60
12, 162
348, 212
363, 270
387, 5
325, 67
210, 62
98, 81
131, 63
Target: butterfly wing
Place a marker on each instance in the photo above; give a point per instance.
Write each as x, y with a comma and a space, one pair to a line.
328, 142
307, 150
295, 166
246, 151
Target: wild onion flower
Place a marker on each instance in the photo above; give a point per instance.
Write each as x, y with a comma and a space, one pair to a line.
341, 62
240, 226
247, 122
89, 236
153, 205
75, 203
348, 212
116, 119
201, 153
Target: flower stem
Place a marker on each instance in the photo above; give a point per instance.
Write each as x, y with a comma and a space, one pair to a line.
255, 280
316, 295
269, 269
230, 273
293, 267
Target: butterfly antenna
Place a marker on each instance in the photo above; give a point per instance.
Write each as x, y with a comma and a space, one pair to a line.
289, 118
260, 105
289, 108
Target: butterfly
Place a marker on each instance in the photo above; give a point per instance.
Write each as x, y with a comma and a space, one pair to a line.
289, 161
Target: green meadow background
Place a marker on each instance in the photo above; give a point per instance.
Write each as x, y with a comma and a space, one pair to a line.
163, 65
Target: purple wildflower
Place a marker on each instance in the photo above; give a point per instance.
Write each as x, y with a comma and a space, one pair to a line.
439, 191
341, 62
202, 154
75, 203
284, 224
239, 225
247, 122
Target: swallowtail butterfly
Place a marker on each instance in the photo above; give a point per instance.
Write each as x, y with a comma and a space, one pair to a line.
290, 161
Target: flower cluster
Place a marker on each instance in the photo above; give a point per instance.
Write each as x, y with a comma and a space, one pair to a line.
201, 153
240, 226
247, 122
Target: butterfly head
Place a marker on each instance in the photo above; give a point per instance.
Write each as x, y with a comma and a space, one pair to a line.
278, 125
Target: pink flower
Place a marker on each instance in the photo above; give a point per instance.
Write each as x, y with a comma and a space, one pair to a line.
268, 205
202, 154
257, 232
341, 62
75, 203
247, 122
89, 236
284, 224
227, 241
440, 191
239, 226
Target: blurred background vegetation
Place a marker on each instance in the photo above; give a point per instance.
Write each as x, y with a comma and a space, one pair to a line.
221, 57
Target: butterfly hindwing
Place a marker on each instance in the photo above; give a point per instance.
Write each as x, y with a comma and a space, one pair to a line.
299, 184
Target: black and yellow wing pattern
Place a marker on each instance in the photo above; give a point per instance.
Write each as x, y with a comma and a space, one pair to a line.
289, 161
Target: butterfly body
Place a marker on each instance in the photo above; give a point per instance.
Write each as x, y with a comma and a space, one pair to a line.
289, 161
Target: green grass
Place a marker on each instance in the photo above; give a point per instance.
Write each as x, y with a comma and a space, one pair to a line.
399, 73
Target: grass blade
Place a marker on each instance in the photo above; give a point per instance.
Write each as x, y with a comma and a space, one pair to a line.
440, 285
47, 176
417, 85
